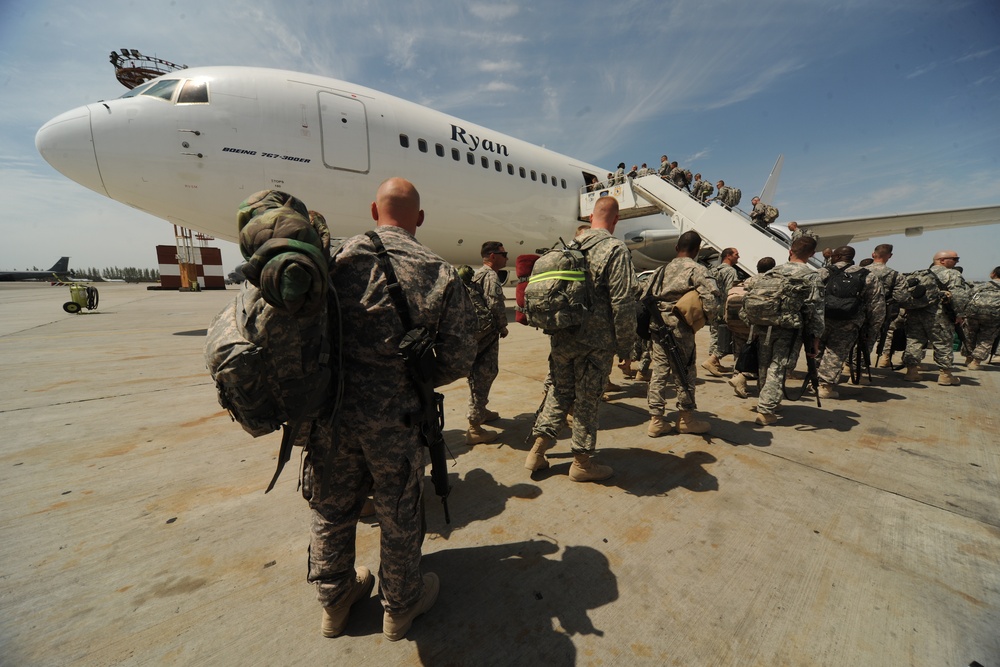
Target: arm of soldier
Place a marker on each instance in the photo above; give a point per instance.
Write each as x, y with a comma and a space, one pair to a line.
875, 306
814, 311
620, 276
709, 293
455, 344
497, 305
959, 293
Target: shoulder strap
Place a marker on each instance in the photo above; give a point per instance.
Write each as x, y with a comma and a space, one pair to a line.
391, 283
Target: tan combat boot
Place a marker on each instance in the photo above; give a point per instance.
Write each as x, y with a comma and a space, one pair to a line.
826, 390
490, 416
883, 362
975, 365
658, 425
713, 366
947, 379
766, 419
686, 423
335, 617
912, 374
477, 435
536, 457
739, 384
395, 626
585, 470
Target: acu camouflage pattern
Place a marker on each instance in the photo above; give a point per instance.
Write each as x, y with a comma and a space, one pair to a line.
720, 342
932, 327
667, 285
580, 361
982, 326
375, 449
485, 368
839, 336
702, 189
779, 348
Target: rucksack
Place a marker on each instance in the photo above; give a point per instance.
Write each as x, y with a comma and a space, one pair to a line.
984, 304
770, 213
558, 294
920, 291
775, 300
733, 306
844, 293
484, 318
733, 197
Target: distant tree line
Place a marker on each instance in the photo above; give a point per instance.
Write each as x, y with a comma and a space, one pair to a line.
129, 274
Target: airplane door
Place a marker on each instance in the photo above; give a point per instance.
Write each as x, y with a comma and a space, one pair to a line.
344, 127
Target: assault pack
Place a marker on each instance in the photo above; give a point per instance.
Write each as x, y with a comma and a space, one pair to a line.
558, 294
984, 303
730, 196
731, 312
920, 291
270, 351
484, 318
770, 214
844, 293
775, 300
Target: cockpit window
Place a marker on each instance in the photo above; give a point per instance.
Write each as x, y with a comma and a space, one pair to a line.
138, 90
195, 91
164, 89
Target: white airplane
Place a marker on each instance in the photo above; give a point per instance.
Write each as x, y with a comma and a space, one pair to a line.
189, 146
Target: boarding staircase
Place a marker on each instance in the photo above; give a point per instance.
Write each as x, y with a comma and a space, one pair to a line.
719, 226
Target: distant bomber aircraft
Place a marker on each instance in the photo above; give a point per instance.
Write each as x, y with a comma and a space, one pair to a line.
59, 271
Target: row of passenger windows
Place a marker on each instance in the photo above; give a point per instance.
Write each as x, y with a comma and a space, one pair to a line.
456, 155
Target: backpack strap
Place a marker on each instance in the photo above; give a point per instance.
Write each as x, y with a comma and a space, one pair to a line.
392, 283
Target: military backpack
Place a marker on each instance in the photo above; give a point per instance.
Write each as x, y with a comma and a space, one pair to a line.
558, 295
770, 214
844, 293
984, 303
921, 290
734, 304
774, 299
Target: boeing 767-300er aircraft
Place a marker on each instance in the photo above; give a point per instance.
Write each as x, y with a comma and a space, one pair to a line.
190, 145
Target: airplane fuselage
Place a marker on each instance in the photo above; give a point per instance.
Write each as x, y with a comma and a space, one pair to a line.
190, 151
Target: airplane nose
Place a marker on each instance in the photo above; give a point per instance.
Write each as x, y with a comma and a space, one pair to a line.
67, 143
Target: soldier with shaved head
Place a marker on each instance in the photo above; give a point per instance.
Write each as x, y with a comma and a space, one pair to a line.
934, 326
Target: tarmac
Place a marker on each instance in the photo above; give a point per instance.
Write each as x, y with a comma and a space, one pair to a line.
134, 528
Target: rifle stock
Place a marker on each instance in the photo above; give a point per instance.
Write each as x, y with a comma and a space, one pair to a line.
812, 375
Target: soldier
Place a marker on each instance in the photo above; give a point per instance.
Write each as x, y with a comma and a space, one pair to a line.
643, 171
797, 231
720, 340
891, 282
935, 325
374, 446
580, 361
633, 172
665, 288
677, 176
779, 347
620, 174
664, 167
701, 189
982, 321
849, 316
741, 337
486, 366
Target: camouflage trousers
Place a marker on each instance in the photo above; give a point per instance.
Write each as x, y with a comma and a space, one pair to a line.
385, 457
980, 336
778, 351
838, 337
579, 376
664, 375
641, 355
929, 327
720, 341
484, 371
898, 321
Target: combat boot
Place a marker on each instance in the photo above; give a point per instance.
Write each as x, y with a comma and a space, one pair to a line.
765, 419
658, 425
739, 384
335, 617
826, 390
713, 366
947, 379
490, 416
912, 374
686, 423
612, 386
884, 362
536, 457
477, 435
395, 626
585, 470
644, 376
975, 365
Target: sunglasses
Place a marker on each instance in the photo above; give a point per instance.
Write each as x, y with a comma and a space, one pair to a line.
503, 254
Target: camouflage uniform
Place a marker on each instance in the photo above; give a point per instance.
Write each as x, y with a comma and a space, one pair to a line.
720, 338
779, 348
664, 169
931, 326
676, 176
642, 348
373, 447
980, 333
702, 189
667, 285
580, 361
486, 366
892, 282
839, 336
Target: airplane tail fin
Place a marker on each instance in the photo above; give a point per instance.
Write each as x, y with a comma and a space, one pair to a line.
767, 194
62, 266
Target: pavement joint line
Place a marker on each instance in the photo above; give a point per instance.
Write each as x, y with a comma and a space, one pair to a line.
104, 398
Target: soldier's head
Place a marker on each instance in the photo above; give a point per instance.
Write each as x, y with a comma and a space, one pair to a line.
882, 253
792, 226
397, 204
996, 273
720, 184
673, 164
946, 258
697, 177
844, 253
605, 215
730, 256
802, 248
755, 201
688, 244
493, 254
765, 264
663, 158
644, 166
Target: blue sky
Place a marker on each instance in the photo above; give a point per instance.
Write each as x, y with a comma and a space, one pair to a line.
879, 107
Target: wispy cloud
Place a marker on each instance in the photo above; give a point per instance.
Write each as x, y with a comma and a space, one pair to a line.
920, 71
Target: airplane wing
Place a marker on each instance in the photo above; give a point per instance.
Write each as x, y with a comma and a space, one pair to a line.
910, 224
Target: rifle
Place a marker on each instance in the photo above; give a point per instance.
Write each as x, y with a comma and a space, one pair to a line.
812, 371
665, 337
417, 350
859, 360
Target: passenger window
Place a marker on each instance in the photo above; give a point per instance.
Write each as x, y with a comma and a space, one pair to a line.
521, 171
162, 89
471, 158
404, 141
456, 155
194, 92
534, 176
497, 165
554, 184
510, 169
422, 145
544, 179
439, 149
485, 161
563, 181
